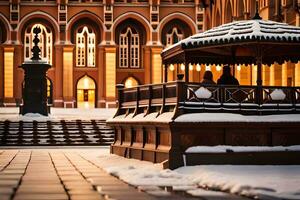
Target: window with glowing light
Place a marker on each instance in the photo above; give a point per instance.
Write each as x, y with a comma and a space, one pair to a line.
130, 82
45, 44
86, 89
129, 49
85, 47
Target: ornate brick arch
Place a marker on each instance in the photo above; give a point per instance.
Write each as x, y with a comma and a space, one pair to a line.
135, 16
180, 26
179, 16
38, 17
85, 15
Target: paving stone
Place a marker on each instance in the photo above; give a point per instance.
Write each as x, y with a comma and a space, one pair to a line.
41, 197
6, 191
13, 171
83, 192
51, 189
78, 186
9, 183
5, 197
10, 176
86, 197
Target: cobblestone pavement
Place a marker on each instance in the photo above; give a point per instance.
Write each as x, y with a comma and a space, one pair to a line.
64, 173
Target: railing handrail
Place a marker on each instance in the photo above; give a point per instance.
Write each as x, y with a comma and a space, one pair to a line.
177, 93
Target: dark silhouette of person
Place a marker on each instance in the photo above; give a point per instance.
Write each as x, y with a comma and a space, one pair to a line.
208, 78
226, 78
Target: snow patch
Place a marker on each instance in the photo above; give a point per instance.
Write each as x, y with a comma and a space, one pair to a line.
277, 94
281, 181
203, 93
231, 117
224, 149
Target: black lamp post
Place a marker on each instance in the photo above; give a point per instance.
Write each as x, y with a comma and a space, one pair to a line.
35, 89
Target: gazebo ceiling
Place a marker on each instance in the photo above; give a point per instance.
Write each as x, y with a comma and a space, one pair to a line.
239, 42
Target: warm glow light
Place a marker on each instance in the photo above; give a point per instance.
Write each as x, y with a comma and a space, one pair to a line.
68, 72
198, 68
191, 67
254, 67
207, 68
110, 74
156, 68
8, 73
130, 82
218, 68
182, 67
86, 83
172, 67
239, 67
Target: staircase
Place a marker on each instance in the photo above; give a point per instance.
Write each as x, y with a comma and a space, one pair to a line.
72, 133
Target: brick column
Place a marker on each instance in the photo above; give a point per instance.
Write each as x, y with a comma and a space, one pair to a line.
101, 77
156, 65
18, 73
9, 76
68, 91
1, 75
297, 74
110, 76
58, 82
147, 65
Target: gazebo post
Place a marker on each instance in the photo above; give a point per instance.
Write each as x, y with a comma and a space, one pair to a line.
258, 59
186, 69
165, 66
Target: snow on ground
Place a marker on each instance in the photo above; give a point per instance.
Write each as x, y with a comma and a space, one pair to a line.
249, 180
224, 149
230, 117
12, 114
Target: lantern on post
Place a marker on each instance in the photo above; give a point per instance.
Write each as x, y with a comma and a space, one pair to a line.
35, 88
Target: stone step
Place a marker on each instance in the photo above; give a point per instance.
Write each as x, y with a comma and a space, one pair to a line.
76, 132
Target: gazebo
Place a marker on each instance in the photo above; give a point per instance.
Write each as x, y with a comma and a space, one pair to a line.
158, 122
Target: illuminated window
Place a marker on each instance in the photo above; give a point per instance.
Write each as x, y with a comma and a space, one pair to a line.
45, 44
130, 82
129, 48
86, 92
174, 36
85, 47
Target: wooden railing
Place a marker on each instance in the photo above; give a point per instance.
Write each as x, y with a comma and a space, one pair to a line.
196, 97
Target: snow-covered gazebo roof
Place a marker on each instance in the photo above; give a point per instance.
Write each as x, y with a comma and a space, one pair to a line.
239, 42
243, 31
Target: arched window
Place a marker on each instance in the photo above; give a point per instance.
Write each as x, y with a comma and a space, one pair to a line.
85, 47
45, 44
174, 31
130, 82
174, 36
129, 46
